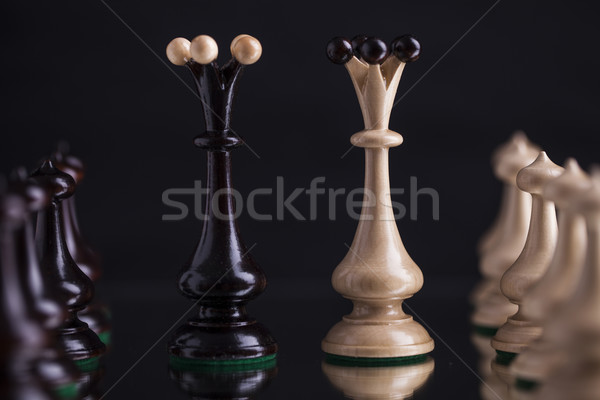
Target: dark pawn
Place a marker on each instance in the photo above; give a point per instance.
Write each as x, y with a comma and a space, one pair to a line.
224, 383
220, 276
373, 50
53, 367
406, 48
96, 315
75, 288
22, 335
339, 50
356, 42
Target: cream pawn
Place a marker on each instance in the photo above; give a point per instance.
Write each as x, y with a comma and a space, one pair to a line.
560, 281
514, 336
492, 308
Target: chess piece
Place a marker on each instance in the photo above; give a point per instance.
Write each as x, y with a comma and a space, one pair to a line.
75, 289
220, 276
96, 315
560, 281
22, 337
53, 367
377, 274
492, 387
575, 373
225, 382
516, 334
378, 382
502, 244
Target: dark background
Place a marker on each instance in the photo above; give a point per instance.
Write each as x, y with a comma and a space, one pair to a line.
73, 70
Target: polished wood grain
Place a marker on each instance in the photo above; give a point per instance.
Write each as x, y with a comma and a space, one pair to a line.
377, 273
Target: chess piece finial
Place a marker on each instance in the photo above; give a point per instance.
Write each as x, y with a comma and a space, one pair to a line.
378, 382
75, 289
558, 284
377, 284
502, 244
574, 370
23, 335
221, 275
96, 315
515, 335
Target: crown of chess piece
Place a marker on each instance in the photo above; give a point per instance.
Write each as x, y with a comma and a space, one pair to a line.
22, 337
502, 243
53, 367
96, 314
518, 331
558, 284
576, 329
226, 382
377, 273
220, 276
378, 382
75, 289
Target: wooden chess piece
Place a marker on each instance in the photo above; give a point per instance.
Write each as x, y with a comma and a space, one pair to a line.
516, 334
75, 289
53, 367
96, 315
501, 245
492, 387
220, 276
378, 382
576, 329
22, 337
377, 274
557, 286
226, 382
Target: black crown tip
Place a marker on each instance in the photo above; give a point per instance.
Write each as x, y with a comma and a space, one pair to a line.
406, 48
373, 50
339, 50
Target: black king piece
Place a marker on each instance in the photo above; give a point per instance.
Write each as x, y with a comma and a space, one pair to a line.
221, 275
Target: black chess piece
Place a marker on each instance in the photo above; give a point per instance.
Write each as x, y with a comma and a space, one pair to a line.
53, 367
96, 314
22, 336
220, 276
74, 287
237, 382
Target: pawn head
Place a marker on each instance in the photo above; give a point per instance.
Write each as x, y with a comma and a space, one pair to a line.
536, 175
60, 184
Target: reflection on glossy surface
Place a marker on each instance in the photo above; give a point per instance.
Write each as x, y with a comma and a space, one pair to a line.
492, 387
236, 381
88, 384
378, 382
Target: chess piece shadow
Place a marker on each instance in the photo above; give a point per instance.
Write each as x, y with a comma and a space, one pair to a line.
237, 381
372, 381
221, 275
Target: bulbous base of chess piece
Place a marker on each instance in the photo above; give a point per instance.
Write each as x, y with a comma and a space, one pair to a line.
80, 343
97, 316
516, 335
241, 382
377, 329
380, 382
58, 372
221, 335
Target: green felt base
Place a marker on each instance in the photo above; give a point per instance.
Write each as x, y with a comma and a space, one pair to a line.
191, 364
526, 385
105, 337
66, 392
88, 364
504, 357
487, 331
335, 359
